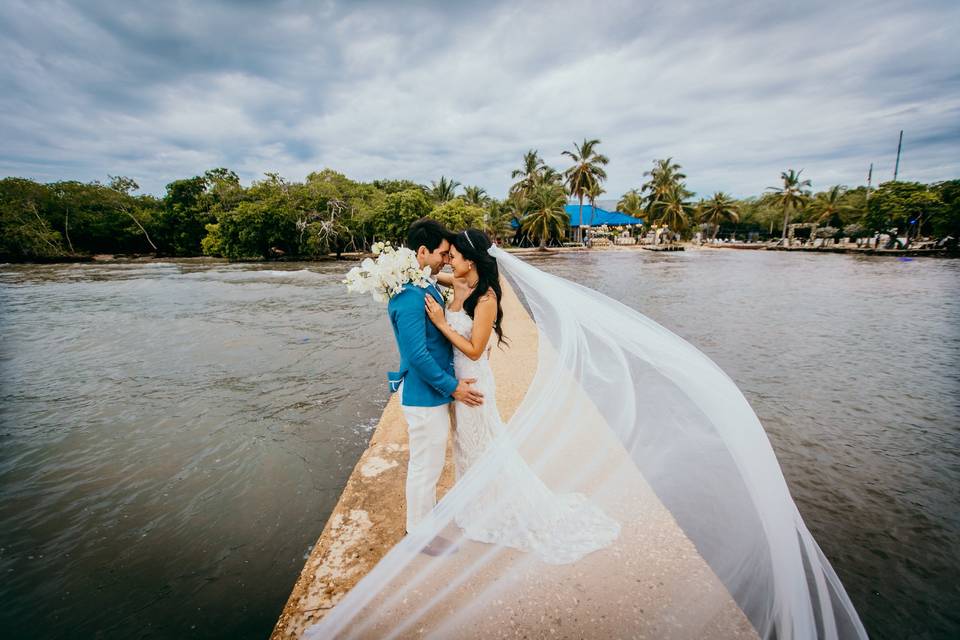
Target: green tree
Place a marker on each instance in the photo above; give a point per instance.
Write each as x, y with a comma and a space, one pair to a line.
25, 232
830, 206
497, 218
476, 196
223, 189
457, 215
212, 243
593, 194
631, 203
253, 230
946, 219
717, 209
398, 211
674, 210
336, 213
396, 186
665, 179
792, 196
854, 202
443, 190
327, 233
587, 171
95, 218
907, 206
544, 213
26, 238
186, 212
549, 175
124, 186
529, 174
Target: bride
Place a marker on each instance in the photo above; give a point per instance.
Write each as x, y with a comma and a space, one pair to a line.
559, 528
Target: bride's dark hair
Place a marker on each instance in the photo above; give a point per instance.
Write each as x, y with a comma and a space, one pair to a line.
473, 245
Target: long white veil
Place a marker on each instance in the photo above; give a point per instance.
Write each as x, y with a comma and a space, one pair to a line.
623, 410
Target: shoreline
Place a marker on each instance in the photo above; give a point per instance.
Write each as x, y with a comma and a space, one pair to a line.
106, 258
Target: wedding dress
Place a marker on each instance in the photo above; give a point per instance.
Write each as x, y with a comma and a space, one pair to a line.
516, 509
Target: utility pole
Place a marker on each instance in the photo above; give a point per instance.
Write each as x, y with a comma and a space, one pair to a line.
869, 183
896, 168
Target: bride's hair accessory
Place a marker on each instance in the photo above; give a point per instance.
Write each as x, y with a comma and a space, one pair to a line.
467, 234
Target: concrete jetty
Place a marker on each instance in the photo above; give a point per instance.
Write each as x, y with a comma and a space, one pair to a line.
662, 247
651, 579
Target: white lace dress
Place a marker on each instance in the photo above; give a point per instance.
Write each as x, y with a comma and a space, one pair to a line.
516, 508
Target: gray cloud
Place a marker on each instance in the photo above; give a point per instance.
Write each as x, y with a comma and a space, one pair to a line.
735, 92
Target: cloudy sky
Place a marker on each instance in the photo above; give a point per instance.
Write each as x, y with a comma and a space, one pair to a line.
735, 92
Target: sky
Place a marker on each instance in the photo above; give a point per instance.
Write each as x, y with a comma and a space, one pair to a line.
735, 92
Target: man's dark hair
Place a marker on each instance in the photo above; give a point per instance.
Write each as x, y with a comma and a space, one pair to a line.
429, 233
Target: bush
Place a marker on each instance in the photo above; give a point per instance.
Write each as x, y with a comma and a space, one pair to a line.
457, 215
211, 245
825, 232
399, 210
251, 230
23, 238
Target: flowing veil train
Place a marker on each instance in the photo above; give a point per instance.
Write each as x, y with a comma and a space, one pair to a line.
646, 425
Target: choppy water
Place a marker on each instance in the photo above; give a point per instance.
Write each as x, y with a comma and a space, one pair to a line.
174, 435
173, 439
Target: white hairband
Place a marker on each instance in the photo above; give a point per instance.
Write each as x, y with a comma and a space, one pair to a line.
467, 233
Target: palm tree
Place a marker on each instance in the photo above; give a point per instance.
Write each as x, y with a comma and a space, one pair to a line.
528, 173
544, 212
549, 175
477, 196
794, 194
444, 190
595, 192
496, 219
716, 209
664, 178
587, 170
631, 203
829, 204
675, 210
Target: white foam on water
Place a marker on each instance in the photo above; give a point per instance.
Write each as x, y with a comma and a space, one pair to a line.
255, 274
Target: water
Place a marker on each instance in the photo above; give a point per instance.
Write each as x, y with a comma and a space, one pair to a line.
853, 367
174, 435
173, 440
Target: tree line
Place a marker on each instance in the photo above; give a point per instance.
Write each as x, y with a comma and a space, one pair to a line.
329, 214
913, 209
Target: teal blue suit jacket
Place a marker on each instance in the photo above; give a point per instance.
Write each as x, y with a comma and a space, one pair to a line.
426, 356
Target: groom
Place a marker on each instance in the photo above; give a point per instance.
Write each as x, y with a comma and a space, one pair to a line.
426, 380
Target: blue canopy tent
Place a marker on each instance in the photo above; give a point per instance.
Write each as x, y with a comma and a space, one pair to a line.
600, 216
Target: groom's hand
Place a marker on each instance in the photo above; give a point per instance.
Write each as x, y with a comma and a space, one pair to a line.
466, 395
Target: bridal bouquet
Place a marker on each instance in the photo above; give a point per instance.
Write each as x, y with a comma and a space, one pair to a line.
385, 276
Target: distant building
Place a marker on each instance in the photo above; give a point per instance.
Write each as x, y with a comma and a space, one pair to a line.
594, 217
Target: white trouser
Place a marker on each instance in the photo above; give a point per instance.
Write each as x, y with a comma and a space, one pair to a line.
427, 430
